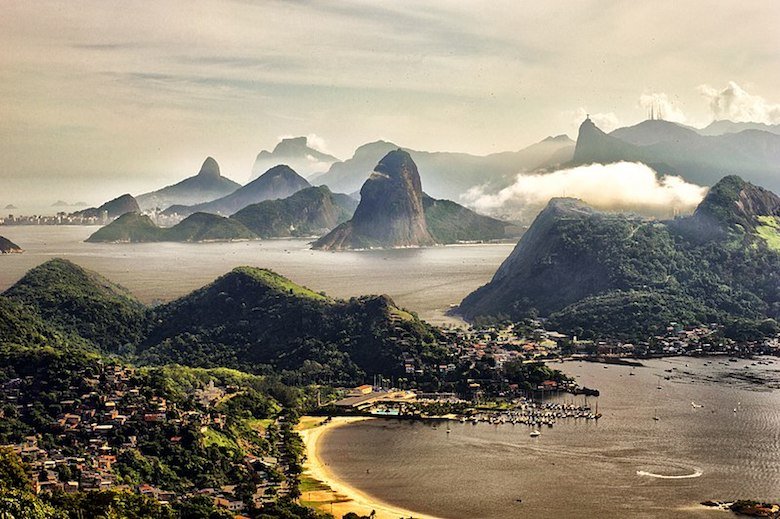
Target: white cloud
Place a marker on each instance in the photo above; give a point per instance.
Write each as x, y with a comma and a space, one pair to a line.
736, 104
624, 185
662, 107
318, 143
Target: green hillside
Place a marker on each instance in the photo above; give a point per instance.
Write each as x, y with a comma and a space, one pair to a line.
617, 274
309, 212
81, 302
198, 227
255, 320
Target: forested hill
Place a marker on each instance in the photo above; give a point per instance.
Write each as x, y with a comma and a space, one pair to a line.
197, 227
607, 274
250, 318
83, 303
254, 319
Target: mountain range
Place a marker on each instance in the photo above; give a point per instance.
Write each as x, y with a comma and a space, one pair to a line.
447, 174
723, 126
198, 227
310, 212
207, 185
618, 274
296, 153
113, 208
671, 148
278, 182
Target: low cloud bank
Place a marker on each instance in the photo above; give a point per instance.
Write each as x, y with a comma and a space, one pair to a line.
624, 185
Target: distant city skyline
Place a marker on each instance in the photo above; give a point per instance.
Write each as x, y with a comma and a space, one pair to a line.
106, 97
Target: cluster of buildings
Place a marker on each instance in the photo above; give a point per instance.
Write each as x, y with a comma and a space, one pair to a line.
93, 431
677, 340
60, 218
505, 344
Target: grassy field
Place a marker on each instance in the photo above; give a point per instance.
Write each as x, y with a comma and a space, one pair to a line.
769, 231
213, 437
281, 283
308, 422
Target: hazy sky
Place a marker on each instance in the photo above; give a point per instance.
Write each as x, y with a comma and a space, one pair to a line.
104, 97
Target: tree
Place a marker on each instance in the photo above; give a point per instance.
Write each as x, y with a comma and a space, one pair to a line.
13, 475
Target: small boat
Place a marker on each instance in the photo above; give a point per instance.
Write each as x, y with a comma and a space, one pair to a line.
534, 434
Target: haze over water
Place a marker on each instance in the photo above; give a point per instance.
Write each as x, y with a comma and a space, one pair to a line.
624, 465
425, 281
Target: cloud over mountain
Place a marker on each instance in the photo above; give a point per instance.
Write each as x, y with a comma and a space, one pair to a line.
623, 185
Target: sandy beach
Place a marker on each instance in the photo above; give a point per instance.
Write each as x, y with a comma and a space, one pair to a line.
335, 496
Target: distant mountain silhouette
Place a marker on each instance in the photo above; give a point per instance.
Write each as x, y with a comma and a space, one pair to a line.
447, 174
278, 182
723, 126
207, 185
113, 208
296, 153
670, 148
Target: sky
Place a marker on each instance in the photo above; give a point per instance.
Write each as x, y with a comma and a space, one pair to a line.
105, 97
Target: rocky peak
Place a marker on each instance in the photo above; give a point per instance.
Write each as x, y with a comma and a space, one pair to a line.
390, 213
733, 201
562, 138
210, 168
391, 207
593, 145
292, 146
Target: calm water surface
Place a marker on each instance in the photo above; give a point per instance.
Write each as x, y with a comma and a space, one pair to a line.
426, 281
625, 465
604, 469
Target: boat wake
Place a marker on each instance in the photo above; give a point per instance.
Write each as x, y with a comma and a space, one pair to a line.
695, 474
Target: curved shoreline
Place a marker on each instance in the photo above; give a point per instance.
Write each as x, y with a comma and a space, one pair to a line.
349, 499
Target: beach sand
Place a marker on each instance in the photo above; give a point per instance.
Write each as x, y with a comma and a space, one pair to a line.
332, 495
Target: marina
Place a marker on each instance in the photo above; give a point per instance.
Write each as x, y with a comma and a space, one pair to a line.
671, 465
